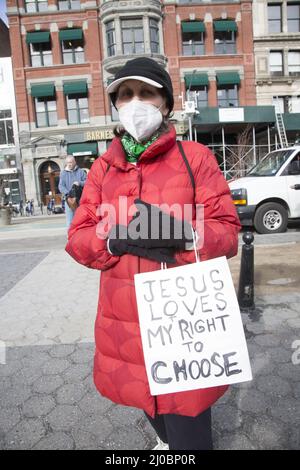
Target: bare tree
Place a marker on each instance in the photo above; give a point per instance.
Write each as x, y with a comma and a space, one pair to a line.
239, 157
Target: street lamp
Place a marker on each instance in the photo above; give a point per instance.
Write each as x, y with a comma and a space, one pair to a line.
189, 108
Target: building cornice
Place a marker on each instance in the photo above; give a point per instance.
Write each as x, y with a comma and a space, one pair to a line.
282, 37
132, 7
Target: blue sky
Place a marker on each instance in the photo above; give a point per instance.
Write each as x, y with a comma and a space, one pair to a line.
2, 11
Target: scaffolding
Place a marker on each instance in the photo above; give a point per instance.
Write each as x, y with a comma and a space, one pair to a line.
238, 146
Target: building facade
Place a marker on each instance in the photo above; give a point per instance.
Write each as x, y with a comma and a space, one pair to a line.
276, 29
10, 162
66, 52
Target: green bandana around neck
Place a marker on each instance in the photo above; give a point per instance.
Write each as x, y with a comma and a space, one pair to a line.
133, 148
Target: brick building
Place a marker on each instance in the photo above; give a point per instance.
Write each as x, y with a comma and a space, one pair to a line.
10, 163
65, 52
276, 29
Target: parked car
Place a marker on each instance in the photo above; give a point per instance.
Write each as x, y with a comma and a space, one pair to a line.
267, 196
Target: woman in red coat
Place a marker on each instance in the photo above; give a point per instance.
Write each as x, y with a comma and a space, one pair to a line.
145, 167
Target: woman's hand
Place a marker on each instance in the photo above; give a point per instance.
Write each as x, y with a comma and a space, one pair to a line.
152, 228
119, 243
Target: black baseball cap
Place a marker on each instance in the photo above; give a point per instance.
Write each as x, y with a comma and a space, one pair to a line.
145, 70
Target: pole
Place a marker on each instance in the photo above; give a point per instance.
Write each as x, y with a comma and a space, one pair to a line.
190, 127
269, 140
224, 153
254, 144
246, 281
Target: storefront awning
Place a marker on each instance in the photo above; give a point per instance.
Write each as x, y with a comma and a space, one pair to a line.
38, 37
193, 27
39, 91
84, 148
198, 79
225, 25
228, 78
74, 88
70, 34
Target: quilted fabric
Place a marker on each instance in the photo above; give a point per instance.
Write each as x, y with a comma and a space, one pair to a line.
159, 177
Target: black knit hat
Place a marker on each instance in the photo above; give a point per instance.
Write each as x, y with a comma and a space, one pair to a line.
146, 70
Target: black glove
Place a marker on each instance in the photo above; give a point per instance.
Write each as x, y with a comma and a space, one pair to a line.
152, 228
75, 192
120, 243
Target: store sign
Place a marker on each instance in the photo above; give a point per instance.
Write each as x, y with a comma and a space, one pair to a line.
105, 134
8, 171
231, 115
82, 154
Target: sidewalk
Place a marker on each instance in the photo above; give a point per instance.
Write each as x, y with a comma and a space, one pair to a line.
48, 400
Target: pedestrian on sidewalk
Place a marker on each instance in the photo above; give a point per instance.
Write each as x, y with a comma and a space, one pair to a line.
146, 165
41, 206
70, 178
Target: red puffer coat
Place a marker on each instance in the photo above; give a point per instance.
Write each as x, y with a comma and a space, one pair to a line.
159, 177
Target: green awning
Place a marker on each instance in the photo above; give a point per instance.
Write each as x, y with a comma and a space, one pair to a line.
84, 148
69, 34
228, 78
291, 121
193, 27
35, 38
39, 91
196, 79
225, 25
74, 88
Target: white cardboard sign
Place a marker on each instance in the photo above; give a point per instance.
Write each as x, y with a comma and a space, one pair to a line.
191, 327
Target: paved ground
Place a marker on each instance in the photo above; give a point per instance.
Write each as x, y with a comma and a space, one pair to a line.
48, 400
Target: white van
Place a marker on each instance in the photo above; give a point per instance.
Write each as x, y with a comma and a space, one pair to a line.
267, 196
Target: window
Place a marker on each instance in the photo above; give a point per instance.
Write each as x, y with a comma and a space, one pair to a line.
114, 113
33, 6
73, 52
132, 36
6, 128
196, 85
78, 109
193, 43
293, 17
274, 18
227, 96
110, 38
69, 4
294, 62
276, 63
192, 37
154, 36
225, 42
199, 95
41, 54
45, 109
281, 103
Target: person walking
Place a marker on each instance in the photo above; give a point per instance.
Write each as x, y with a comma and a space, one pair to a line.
70, 176
147, 166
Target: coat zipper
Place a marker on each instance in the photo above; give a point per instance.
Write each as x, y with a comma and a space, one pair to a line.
139, 266
140, 190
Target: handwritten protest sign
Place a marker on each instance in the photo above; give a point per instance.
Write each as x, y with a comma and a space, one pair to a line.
191, 327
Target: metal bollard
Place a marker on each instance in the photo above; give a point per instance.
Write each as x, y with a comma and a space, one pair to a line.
246, 281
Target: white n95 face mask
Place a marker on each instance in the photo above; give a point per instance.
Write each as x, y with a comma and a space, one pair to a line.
140, 119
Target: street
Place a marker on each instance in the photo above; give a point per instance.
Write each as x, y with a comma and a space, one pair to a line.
48, 399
